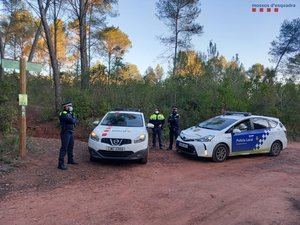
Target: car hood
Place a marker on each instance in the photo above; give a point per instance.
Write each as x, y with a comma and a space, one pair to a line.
119, 132
196, 133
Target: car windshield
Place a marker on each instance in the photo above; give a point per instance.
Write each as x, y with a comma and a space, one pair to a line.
123, 120
216, 123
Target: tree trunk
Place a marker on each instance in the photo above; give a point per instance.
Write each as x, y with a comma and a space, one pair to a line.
176, 45
55, 28
89, 48
15, 48
83, 46
89, 40
109, 63
34, 43
77, 66
37, 36
53, 59
175, 57
284, 51
1, 56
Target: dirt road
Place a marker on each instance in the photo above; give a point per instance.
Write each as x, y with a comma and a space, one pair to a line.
170, 189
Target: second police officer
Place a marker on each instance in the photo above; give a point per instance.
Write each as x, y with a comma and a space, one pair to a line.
174, 130
158, 120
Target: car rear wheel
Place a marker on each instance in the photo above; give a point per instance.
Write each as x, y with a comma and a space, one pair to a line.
220, 153
276, 148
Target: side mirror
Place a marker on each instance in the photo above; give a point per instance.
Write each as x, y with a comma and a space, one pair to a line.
150, 125
236, 131
96, 122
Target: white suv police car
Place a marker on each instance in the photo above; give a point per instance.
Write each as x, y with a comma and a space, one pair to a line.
231, 134
121, 135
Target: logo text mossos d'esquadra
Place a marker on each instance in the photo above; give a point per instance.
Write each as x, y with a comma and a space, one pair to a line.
274, 5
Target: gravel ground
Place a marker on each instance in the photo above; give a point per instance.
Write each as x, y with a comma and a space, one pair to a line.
170, 189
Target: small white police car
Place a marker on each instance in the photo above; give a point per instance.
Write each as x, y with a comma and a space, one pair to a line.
122, 135
231, 134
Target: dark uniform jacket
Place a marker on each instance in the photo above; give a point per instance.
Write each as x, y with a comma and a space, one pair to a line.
173, 121
157, 119
67, 121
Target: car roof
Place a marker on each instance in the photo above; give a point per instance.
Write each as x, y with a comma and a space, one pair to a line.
127, 111
235, 117
241, 117
266, 117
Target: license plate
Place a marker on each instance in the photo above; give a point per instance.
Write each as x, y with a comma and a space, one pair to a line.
183, 145
115, 148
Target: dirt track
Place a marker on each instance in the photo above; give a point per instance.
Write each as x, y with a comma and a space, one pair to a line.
170, 189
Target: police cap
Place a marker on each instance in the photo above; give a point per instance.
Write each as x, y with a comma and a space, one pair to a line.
67, 103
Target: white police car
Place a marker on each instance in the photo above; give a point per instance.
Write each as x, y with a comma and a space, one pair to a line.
231, 134
121, 135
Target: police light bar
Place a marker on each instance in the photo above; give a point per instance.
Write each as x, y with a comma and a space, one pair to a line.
237, 113
127, 109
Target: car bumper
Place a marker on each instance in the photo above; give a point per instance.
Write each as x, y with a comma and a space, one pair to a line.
189, 150
284, 143
200, 149
118, 155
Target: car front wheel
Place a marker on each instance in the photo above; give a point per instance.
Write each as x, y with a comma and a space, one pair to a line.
92, 159
275, 148
145, 159
220, 153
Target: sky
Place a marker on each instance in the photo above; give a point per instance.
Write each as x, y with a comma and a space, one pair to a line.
231, 24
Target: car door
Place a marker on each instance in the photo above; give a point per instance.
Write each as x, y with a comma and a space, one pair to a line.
243, 141
263, 134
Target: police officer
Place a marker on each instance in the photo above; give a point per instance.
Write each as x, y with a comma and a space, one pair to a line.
67, 123
158, 120
173, 122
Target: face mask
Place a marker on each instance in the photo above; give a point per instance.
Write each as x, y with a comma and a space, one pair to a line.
156, 112
70, 108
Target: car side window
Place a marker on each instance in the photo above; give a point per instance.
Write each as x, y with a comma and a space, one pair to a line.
260, 123
242, 126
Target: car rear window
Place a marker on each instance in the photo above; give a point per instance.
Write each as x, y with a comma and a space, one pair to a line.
123, 120
260, 123
273, 123
217, 123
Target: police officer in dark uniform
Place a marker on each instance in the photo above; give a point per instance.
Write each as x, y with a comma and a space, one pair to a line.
158, 120
173, 122
67, 123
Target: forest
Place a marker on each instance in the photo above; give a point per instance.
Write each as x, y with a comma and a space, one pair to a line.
83, 61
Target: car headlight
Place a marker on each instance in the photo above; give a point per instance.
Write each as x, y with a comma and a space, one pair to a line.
206, 138
182, 135
140, 138
94, 136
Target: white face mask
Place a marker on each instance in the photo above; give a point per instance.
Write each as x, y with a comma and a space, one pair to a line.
70, 108
156, 112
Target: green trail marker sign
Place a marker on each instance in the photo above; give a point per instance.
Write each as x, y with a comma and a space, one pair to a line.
22, 66
14, 64
34, 67
23, 99
10, 64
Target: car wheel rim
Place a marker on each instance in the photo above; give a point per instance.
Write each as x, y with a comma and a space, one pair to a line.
276, 148
221, 153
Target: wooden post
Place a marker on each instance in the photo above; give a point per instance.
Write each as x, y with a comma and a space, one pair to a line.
22, 132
